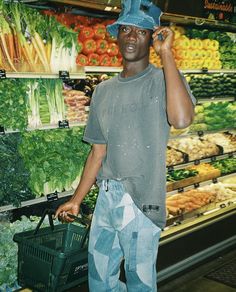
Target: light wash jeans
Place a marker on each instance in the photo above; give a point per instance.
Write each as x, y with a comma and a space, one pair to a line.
119, 231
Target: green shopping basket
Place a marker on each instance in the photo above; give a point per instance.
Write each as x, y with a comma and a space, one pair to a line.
53, 258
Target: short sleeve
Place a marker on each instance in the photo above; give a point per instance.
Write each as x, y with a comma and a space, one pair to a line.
93, 132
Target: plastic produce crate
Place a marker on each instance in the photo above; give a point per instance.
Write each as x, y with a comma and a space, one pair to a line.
52, 258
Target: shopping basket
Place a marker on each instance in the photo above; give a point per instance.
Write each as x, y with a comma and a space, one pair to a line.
53, 258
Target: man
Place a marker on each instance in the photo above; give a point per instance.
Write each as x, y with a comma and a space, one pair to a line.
129, 122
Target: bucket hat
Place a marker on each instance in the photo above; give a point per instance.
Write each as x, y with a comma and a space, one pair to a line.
140, 13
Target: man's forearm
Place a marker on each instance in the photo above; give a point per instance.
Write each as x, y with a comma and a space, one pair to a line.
180, 108
88, 178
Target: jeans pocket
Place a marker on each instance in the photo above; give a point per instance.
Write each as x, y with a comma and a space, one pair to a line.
132, 261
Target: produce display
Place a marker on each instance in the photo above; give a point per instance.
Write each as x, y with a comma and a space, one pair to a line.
212, 85
13, 112
222, 190
14, 176
225, 140
226, 166
211, 116
179, 174
27, 43
182, 203
205, 170
188, 201
195, 147
90, 199
54, 159
192, 52
174, 157
9, 249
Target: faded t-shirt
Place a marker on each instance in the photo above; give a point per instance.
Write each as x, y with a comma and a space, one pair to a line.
129, 115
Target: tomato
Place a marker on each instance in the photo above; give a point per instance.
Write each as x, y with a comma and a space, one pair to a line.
86, 33
89, 46
99, 31
102, 46
115, 62
93, 59
104, 60
110, 38
81, 60
80, 46
113, 49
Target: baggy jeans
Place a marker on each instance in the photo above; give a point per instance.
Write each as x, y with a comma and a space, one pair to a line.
119, 230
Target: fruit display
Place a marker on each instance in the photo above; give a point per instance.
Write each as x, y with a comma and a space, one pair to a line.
225, 140
195, 147
192, 52
211, 116
212, 85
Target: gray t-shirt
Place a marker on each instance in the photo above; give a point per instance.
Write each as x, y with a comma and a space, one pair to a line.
129, 115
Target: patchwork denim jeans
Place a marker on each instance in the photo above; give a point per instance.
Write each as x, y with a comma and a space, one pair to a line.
120, 231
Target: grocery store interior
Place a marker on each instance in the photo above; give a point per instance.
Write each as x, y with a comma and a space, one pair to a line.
53, 53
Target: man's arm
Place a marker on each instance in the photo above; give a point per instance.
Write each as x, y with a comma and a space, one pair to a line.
180, 108
92, 166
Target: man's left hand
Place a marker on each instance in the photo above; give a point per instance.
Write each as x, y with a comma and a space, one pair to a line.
163, 38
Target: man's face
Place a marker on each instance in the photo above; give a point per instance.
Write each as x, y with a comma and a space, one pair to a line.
134, 42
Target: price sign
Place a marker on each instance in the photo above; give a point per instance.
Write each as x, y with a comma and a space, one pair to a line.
64, 75
63, 124
2, 131
180, 190
213, 158
214, 180
170, 168
52, 197
3, 74
197, 161
196, 185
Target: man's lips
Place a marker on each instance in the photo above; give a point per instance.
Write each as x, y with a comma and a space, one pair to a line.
130, 47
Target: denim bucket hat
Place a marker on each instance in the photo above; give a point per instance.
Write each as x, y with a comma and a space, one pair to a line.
140, 13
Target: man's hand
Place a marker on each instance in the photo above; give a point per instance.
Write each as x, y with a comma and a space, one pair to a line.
163, 38
70, 207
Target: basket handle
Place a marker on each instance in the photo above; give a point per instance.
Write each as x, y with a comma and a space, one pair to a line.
50, 213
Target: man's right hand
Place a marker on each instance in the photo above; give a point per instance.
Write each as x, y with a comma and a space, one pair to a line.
70, 207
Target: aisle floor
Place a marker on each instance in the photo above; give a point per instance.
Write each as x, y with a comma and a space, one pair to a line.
194, 280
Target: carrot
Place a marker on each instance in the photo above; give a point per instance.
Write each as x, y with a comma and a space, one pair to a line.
4, 48
27, 54
40, 48
17, 47
10, 44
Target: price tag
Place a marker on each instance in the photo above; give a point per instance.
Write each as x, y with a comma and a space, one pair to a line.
180, 190
214, 180
2, 131
63, 124
200, 133
3, 74
213, 158
170, 168
196, 185
204, 69
64, 75
197, 161
231, 155
52, 197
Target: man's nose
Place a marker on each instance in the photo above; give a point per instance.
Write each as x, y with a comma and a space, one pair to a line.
132, 34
